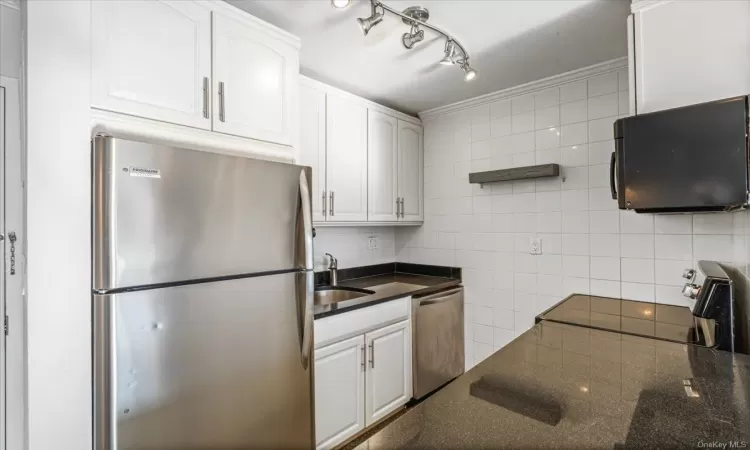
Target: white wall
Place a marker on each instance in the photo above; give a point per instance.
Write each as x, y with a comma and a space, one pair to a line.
589, 246
59, 226
10, 41
350, 246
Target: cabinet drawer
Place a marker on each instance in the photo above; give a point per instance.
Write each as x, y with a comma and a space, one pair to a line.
341, 326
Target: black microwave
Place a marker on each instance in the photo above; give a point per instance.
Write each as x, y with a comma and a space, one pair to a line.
688, 159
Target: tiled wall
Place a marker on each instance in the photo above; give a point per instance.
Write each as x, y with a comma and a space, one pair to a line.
350, 246
588, 245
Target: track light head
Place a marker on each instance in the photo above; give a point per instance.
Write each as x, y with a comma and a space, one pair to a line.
409, 39
374, 19
469, 73
450, 54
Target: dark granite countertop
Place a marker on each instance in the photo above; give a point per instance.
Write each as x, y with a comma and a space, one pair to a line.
566, 386
386, 287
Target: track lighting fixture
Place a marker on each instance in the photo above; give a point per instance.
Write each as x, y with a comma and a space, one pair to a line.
411, 38
416, 17
374, 19
450, 54
340, 3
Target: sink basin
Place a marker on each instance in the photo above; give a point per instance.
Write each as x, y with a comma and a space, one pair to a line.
329, 294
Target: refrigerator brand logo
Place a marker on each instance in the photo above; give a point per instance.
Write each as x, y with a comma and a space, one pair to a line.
143, 172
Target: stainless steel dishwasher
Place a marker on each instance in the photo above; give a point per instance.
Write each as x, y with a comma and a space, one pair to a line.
437, 339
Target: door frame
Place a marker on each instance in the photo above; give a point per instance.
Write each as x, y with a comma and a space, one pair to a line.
12, 162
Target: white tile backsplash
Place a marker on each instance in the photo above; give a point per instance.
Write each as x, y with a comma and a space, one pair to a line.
588, 245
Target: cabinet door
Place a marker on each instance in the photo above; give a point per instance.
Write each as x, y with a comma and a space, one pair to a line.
388, 370
346, 159
691, 52
312, 144
339, 391
410, 170
255, 82
382, 162
152, 59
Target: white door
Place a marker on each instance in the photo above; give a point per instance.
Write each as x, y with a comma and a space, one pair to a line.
382, 166
410, 170
346, 159
691, 52
312, 144
388, 380
339, 391
255, 82
152, 59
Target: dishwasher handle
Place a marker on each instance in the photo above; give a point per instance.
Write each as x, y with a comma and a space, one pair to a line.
439, 297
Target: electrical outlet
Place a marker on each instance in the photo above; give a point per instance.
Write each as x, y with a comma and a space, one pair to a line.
372, 243
536, 246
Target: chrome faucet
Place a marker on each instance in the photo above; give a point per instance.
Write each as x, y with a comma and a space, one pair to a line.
333, 265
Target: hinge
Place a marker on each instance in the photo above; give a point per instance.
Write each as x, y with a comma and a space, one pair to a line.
5, 321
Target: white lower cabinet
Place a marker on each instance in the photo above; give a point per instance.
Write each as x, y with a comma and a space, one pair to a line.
359, 381
339, 391
388, 383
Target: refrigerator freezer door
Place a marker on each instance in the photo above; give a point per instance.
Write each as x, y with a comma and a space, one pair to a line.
205, 366
165, 215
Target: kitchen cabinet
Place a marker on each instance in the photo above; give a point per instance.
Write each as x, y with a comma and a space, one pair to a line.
201, 64
684, 53
346, 159
367, 160
255, 76
363, 368
410, 171
152, 59
340, 391
388, 377
313, 144
382, 167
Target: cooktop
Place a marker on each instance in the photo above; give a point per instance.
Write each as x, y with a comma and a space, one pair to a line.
672, 323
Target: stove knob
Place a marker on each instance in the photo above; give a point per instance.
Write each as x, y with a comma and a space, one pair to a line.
691, 290
688, 274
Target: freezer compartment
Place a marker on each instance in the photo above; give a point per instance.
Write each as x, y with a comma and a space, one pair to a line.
215, 365
164, 215
437, 340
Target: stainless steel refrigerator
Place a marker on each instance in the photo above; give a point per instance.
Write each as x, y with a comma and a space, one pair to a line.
202, 300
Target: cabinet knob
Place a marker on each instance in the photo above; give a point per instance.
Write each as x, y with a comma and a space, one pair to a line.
688, 274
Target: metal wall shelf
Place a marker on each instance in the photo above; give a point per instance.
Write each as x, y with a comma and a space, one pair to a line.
516, 173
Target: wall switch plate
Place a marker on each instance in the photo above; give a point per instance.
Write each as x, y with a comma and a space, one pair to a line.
372, 243
536, 246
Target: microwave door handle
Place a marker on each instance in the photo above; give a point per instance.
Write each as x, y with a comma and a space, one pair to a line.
612, 166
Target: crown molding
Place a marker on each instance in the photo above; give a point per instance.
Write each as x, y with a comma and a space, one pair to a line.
15, 4
556, 80
643, 5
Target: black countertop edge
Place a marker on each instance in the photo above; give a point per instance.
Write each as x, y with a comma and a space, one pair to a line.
363, 302
323, 277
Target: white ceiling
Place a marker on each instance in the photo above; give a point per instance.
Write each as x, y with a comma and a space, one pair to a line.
510, 42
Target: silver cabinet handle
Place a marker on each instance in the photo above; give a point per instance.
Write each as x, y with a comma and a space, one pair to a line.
330, 210
398, 206
221, 102
363, 358
205, 97
324, 203
402, 207
372, 355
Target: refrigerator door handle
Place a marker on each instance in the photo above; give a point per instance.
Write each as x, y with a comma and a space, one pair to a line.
307, 227
306, 290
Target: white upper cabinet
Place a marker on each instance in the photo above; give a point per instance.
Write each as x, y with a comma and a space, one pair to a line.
410, 171
382, 162
313, 144
687, 52
339, 391
388, 379
152, 59
255, 82
346, 159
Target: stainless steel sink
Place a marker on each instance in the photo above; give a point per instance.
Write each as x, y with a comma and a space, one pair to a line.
334, 294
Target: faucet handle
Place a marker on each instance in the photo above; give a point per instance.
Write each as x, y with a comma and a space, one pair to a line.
333, 262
